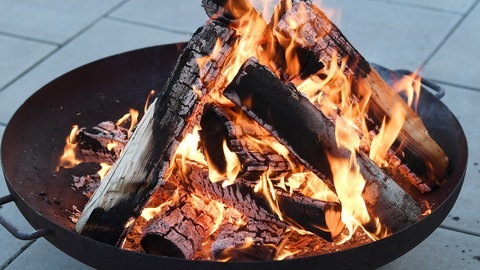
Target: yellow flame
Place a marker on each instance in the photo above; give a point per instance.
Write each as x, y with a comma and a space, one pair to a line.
387, 135
411, 85
147, 102
69, 158
104, 170
232, 169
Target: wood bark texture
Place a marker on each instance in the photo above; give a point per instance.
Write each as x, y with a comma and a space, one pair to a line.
322, 39
311, 136
133, 178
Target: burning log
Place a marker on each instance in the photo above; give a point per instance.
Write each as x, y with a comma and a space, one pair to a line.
249, 141
311, 136
318, 36
132, 179
181, 227
227, 123
252, 240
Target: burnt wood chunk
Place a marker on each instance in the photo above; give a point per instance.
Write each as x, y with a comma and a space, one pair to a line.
311, 136
180, 228
249, 241
248, 140
320, 39
229, 123
103, 142
133, 178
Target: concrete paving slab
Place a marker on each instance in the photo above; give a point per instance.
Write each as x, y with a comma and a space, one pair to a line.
184, 16
54, 21
17, 55
465, 215
457, 60
106, 38
43, 255
458, 6
443, 249
392, 35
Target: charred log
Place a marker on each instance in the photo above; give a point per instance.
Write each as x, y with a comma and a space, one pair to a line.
228, 123
252, 241
181, 227
321, 39
133, 178
256, 157
311, 136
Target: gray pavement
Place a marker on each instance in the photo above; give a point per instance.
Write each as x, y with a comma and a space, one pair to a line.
41, 40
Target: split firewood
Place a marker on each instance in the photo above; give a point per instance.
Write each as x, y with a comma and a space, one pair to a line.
322, 39
220, 123
133, 178
249, 141
309, 134
181, 227
249, 241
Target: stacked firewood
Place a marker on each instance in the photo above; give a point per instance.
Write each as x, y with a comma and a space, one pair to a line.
272, 110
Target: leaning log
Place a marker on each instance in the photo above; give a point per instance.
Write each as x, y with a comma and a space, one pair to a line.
133, 178
221, 123
311, 136
321, 39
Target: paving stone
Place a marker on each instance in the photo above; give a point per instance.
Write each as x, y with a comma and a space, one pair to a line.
184, 15
17, 55
443, 249
465, 214
43, 255
457, 60
106, 38
391, 35
55, 20
459, 6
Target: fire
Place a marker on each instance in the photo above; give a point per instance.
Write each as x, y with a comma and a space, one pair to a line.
104, 169
132, 115
69, 158
410, 85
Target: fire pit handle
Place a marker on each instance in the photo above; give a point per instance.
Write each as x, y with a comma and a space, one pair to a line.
14, 230
440, 92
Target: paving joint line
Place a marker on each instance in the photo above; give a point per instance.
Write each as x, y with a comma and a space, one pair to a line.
60, 46
449, 34
465, 87
27, 38
18, 253
451, 228
133, 22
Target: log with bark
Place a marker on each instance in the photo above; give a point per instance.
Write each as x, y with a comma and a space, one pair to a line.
311, 136
221, 123
321, 39
133, 178
244, 137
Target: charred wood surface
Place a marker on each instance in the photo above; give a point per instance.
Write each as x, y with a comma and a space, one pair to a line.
321, 39
181, 227
133, 178
247, 139
223, 123
103, 142
311, 136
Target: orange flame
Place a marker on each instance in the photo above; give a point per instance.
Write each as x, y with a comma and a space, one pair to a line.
69, 158
410, 85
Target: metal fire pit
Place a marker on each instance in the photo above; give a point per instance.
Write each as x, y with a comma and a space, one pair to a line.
105, 89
